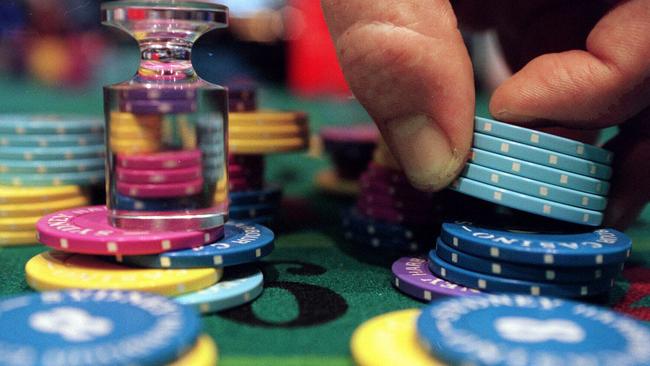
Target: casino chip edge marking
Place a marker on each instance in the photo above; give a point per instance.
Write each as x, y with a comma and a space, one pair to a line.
543, 140
499, 244
100, 306
411, 275
436, 331
246, 243
491, 283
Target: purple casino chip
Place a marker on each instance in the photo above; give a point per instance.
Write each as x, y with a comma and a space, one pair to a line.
359, 134
166, 93
239, 105
158, 106
413, 277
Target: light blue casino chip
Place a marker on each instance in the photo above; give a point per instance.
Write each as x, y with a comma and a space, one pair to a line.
51, 140
51, 166
52, 179
49, 124
489, 283
527, 203
534, 188
591, 248
542, 156
543, 140
85, 327
539, 172
52, 153
525, 272
239, 286
242, 243
509, 330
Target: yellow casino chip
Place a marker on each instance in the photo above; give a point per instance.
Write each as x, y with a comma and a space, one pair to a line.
268, 133
57, 270
135, 146
124, 119
19, 223
12, 238
266, 118
40, 208
262, 146
204, 353
33, 195
390, 339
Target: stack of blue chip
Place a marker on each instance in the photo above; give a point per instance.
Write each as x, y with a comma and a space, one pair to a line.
255, 206
575, 265
45, 151
537, 172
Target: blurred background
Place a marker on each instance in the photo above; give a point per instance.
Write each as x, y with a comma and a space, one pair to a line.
55, 55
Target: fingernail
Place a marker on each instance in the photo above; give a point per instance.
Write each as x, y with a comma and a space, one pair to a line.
424, 151
508, 116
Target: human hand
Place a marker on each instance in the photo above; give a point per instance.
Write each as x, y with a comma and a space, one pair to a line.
580, 64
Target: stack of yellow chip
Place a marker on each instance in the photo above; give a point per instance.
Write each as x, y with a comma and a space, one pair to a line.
267, 132
22, 207
135, 134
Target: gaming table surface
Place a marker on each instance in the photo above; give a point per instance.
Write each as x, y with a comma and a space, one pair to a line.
318, 287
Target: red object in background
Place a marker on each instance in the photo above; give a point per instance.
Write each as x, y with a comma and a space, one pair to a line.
313, 66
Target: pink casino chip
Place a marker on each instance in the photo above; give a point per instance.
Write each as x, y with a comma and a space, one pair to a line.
87, 230
164, 160
140, 176
168, 190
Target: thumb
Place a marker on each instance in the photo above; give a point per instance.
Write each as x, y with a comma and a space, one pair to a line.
406, 63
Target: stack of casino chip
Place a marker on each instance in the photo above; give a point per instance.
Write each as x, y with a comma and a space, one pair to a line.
45, 162
210, 270
541, 174
135, 134
164, 181
502, 330
252, 135
350, 148
389, 212
77, 327
537, 172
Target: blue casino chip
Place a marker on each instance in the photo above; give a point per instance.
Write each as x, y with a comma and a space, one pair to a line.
51, 166
49, 125
356, 222
526, 203
542, 156
86, 327
539, 172
593, 248
52, 153
53, 179
534, 188
525, 272
239, 286
385, 242
510, 330
260, 220
272, 194
490, 283
248, 212
123, 202
242, 243
51, 140
377, 234
543, 140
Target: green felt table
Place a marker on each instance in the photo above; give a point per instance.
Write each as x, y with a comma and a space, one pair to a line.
318, 287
